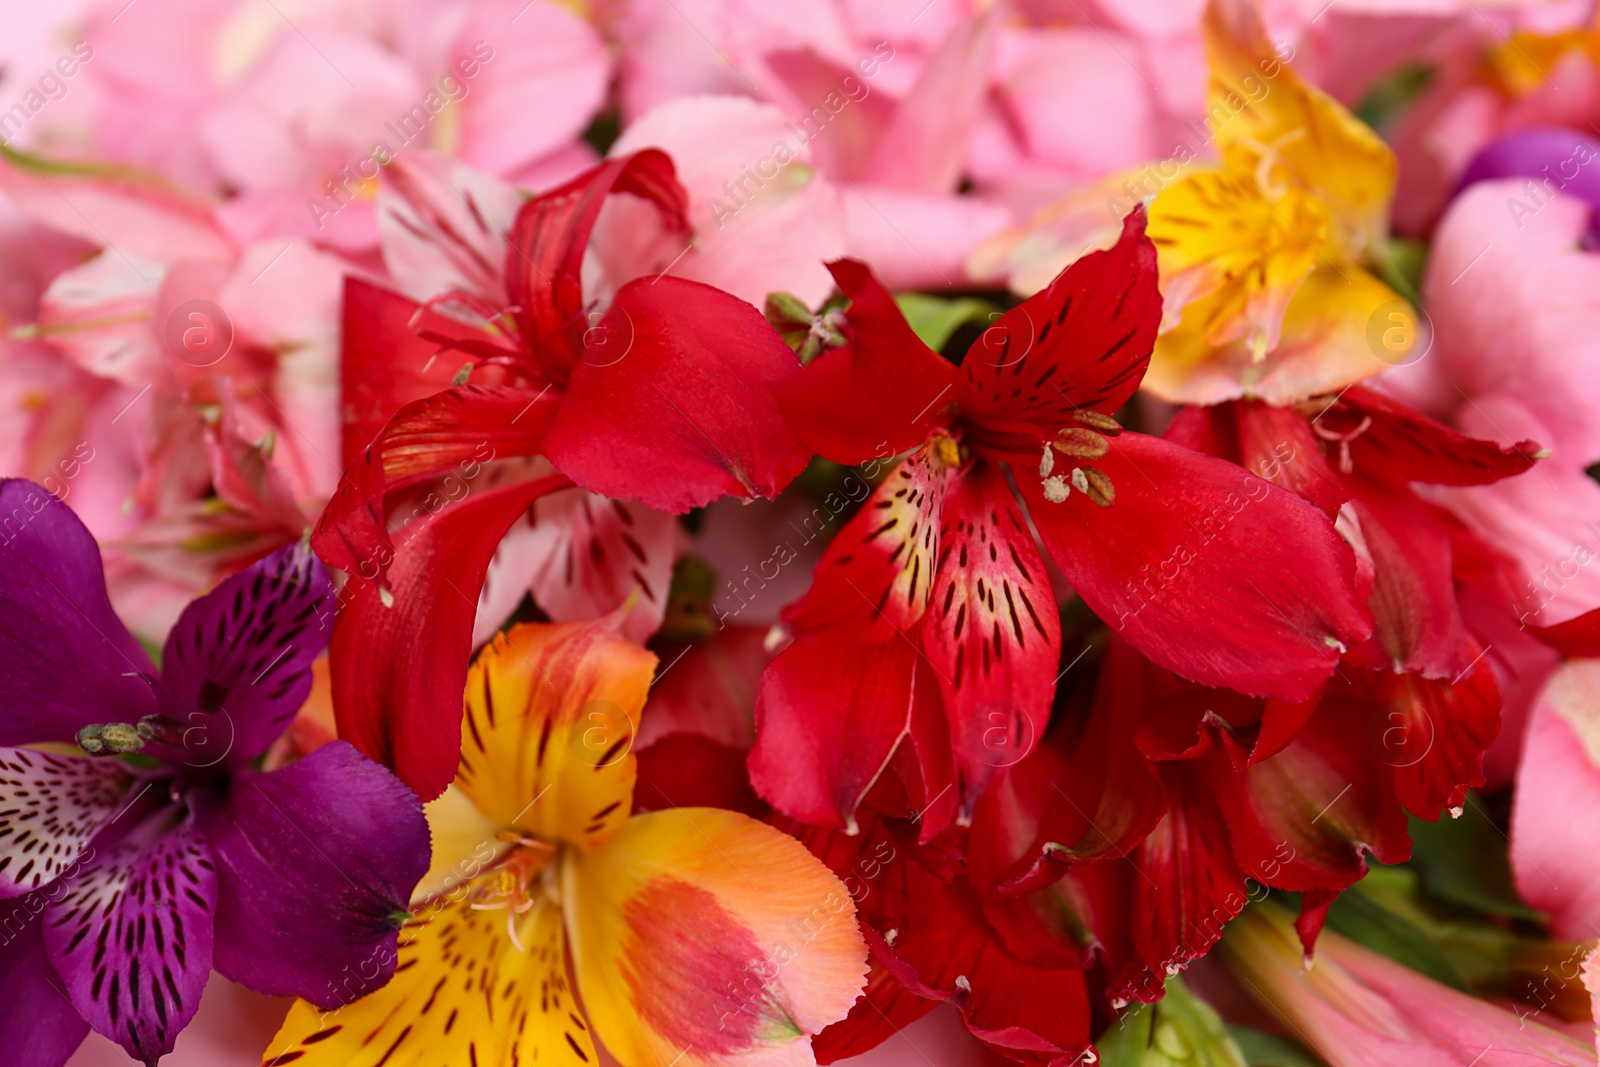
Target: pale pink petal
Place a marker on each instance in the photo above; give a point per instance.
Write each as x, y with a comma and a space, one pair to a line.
764, 219
914, 240
1516, 308
1555, 814
98, 315
541, 77
443, 225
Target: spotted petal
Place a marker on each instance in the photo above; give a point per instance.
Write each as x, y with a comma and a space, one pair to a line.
704, 936
51, 807
237, 665
993, 636
132, 937
546, 746
463, 993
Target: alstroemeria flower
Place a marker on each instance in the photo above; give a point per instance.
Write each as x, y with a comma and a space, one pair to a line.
130, 880
663, 397
696, 935
931, 612
1262, 256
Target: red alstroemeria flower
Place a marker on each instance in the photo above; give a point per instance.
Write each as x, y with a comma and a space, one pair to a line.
663, 397
932, 614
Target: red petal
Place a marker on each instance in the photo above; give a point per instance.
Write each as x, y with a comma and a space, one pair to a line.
830, 712
1275, 442
993, 636
383, 366
1208, 570
691, 771
672, 403
876, 575
1577, 638
1413, 599
550, 236
878, 395
886, 1007
398, 672
453, 433
707, 687
1434, 733
1082, 342
1402, 445
1307, 817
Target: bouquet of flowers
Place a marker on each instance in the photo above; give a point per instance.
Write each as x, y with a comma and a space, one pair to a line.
705, 532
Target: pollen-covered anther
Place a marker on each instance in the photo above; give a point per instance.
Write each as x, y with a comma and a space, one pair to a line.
1056, 489
1095, 484
947, 450
1048, 462
110, 739
1096, 421
1079, 443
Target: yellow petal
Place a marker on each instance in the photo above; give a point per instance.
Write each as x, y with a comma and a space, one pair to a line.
1341, 326
703, 935
1230, 260
462, 993
1525, 62
546, 746
1285, 131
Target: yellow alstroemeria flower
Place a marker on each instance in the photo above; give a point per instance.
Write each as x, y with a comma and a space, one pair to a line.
1262, 255
696, 936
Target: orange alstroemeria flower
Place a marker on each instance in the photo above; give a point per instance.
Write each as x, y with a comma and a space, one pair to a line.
696, 936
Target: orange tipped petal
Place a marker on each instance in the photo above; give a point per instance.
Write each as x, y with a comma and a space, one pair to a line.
704, 936
546, 745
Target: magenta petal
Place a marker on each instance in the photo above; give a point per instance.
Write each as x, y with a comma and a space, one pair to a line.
66, 660
314, 863
237, 665
40, 1025
131, 938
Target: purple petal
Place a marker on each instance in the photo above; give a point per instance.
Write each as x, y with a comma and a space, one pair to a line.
1559, 160
131, 936
315, 861
66, 660
51, 807
40, 1025
237, 665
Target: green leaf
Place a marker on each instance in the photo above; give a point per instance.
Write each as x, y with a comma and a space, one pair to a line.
1465, 861
1269, 1050
1371, 913
935, 319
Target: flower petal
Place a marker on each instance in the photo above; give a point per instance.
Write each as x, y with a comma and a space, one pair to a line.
459, 429
55, 805
359, 844
670, 400
398, 670
53, 598
993, 636
548, 241
132, 936
443, 226
237, 665
552, 711
1083, 342
383, 364
881, 392
704, 934
42, 1027
462, 993
829, 714
1250, 588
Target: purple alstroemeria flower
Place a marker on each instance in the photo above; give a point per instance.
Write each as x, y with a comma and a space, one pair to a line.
124, 879
1554, 159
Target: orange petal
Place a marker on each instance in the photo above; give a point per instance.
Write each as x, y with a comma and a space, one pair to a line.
546, 745
703, 935
463, 992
